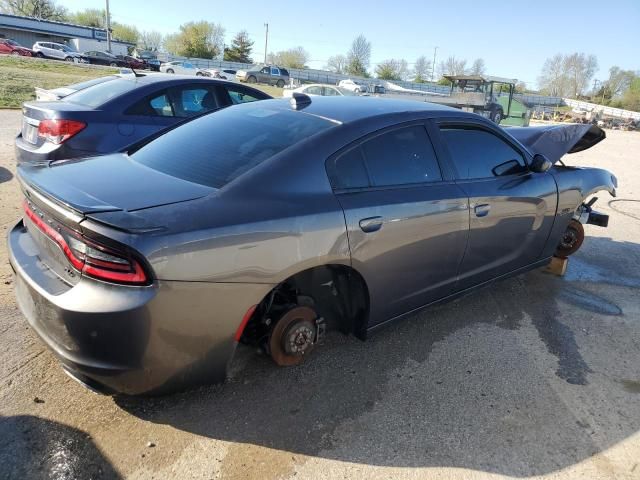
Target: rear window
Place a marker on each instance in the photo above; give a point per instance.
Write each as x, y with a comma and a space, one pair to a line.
100, 94
91, 83
215, 149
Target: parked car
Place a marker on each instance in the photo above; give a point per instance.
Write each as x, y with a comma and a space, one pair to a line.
184, 68
352, 86
317, 89
108, 116
96, 57
268, 74
150, 59
57, 51
43, 95
132, 62
271, 222
219, 74
11, 47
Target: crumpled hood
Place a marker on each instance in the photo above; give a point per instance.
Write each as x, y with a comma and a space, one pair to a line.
554, 141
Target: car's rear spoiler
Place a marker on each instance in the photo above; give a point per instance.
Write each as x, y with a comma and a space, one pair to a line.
554, 141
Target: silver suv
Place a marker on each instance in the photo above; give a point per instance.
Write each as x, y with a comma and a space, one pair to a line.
268, 74
57, 51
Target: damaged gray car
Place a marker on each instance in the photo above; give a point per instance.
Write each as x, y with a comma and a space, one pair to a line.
272, 222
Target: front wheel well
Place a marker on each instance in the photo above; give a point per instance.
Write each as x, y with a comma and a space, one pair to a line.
337, 293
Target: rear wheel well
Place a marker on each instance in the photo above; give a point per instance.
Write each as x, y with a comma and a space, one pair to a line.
337, 293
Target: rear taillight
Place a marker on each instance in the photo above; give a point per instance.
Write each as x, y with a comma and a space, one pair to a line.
89, 257
58, 130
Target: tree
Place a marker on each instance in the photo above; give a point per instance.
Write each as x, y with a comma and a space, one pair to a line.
567, 75
392, 69
421, 69
337, 64
41, 9
477, 67
631, 98
452, 66
240, 49
125, 33
91, 17
552, 80
619, 81
580, 69
150, 40
196, 39
293, 58
359, 56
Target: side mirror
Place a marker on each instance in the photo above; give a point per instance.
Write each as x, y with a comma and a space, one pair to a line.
540, 163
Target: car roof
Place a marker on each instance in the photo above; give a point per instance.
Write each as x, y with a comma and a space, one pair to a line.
351, 109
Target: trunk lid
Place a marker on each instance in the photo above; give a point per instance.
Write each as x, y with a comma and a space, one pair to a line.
554, 141
109, 183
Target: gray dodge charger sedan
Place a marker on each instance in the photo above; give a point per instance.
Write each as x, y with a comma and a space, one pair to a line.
272, 222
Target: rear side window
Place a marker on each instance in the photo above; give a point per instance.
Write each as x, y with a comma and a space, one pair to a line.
403, 156
400, 157
241, 96
478, 153
100, 94
215, 149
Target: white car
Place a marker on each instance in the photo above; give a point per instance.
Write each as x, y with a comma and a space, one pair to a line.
183, 68
57, 51
353, 86
318, 89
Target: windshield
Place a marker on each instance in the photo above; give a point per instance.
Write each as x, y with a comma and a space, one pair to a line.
67, 49
12, 43
217, 148
101, 93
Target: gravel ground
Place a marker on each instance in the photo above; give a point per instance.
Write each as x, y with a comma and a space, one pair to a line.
536, 376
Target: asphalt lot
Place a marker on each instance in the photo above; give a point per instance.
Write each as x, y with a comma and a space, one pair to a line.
536, 376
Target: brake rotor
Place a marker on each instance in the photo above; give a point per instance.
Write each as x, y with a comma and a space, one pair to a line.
571, 239
293, 336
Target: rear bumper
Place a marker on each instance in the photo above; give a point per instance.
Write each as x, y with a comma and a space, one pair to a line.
33, 154
132, 340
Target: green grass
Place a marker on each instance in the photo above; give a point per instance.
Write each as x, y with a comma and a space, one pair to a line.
275, 92
19, 77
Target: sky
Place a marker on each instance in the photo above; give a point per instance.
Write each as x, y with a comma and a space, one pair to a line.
513, 37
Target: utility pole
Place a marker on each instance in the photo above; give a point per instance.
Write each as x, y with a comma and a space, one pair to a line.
433, 69
266, 42
108, 22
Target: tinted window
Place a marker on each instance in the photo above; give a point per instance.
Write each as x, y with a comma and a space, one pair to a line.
215, 149
331, 92
402, 156
315, 90
161, 105
101, 93
481, 154
349, 171
240, 96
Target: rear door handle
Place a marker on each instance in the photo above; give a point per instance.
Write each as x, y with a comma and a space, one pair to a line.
371, 224
482, 210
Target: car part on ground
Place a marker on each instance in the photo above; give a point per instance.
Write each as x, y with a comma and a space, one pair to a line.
119, 111
373, 206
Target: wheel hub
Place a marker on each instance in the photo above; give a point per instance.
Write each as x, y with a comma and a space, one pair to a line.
293, 336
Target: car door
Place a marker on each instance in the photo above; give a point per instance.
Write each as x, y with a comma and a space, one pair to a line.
512, 209
264, 75
407, 220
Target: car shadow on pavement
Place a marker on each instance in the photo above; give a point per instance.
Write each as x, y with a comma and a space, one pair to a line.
5, 175
506, 380
39, 449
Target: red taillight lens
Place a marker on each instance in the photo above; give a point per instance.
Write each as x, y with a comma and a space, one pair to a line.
59, 131
89, 257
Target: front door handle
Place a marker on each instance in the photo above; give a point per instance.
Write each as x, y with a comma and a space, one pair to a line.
482, 210
371, 224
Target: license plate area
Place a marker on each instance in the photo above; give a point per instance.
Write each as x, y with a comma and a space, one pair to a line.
29, 131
